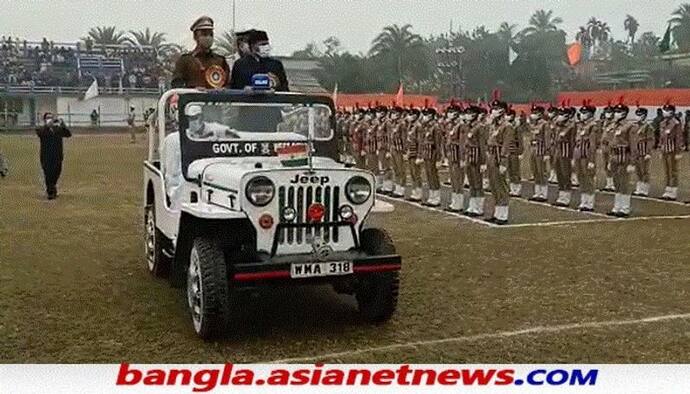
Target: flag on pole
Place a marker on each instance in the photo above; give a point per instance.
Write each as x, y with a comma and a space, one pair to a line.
293, 155
335, 95
399, 95
512, 55
665, 43
574, 53
92, 91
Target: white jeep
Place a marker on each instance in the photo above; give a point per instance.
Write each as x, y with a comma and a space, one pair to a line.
249, 192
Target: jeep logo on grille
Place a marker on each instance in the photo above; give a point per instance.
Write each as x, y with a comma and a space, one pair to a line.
321, 180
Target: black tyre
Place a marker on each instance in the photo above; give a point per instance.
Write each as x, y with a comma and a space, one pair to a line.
208, 290
157, 263
377, 293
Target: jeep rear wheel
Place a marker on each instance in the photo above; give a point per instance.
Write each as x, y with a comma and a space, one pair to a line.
377, 293
157, 263
207, 289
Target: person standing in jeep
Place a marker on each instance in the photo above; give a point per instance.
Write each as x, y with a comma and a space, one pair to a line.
51, 135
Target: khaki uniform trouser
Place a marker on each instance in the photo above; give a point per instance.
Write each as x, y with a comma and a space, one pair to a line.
670, 169
621, 178
415, 172
398, 168
474, 178
360, 161
372, 163
539, 169
457, 176
642, 169
606, 157
585, 176
431, 173
386, 164
498, 182
564, 170
514, 168
552, 163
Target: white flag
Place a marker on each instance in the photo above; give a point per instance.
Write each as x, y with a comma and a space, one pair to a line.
92, 91
511, 55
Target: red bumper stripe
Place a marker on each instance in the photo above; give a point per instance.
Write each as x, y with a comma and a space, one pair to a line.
376, 268
254, 276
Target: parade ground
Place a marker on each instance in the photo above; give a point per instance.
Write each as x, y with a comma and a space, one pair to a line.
553, 286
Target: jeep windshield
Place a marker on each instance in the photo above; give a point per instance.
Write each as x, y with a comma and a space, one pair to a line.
228, 121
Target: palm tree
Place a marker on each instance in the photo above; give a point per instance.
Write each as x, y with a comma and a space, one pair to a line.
681, 26
542, 21
146, 39
399, 42
598, 31
584, 37
105, 35
226, 43
507, 33
631, 25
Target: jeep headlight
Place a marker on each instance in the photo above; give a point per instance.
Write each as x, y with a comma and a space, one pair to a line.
358, 190
260, 191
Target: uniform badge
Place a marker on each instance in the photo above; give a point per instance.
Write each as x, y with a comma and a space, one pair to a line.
215, 76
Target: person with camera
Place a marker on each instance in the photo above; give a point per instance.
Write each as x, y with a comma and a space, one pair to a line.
51, 134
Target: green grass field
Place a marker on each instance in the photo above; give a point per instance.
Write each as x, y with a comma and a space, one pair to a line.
74, 288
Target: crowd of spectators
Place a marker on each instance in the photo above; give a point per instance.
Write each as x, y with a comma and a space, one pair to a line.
46, 63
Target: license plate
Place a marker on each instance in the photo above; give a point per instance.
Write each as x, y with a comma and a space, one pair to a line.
312, 270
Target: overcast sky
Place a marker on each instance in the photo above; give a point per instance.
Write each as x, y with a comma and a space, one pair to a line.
293, 23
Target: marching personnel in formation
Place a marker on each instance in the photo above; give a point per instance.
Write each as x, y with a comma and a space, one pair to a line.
396, 139
201, 68
355, 133
371, 159
606, 129
456, 161
671, 146
551, 114
474, 149
515, 151
540, 143
501, 135
383, 149
562, 150
620, 149
430, 142
585, 155
642, 142
412, 156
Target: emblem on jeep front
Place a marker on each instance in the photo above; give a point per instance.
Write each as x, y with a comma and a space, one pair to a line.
321, 180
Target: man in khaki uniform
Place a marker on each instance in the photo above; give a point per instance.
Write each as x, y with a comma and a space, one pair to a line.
585, 156
501, 135
620, 163
201, 68
369, 148
456, 162
396, 140
540, 143
642, 144
563, 141
551, 114
671, 146
414, 160
383, 151
474, 150
606, 129
515, 151
430, 143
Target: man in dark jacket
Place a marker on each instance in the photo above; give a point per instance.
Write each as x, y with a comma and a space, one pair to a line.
259, 62
51, 135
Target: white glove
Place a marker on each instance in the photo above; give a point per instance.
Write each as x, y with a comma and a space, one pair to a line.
482, 168
590, 166
679, 156
520, 157
502, 169
419, 161
630, 168
388, 155
647, 157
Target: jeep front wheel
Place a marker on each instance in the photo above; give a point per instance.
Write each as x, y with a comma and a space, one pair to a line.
377, 293
156, 261
207, 288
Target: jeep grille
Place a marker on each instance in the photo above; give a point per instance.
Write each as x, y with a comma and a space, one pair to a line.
300, 197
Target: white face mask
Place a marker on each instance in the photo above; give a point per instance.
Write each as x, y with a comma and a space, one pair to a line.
534, 116
619, 115
561, 118
608, 115
426, 118
205, 41
584, 115
264, 50
667, 114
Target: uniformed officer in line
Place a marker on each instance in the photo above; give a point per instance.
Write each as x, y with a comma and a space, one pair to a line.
540, 143
671, 146
383, 150
551, 114
413, 153
515, 151
201, 68
51, 135
606, 129
259, 62
500, 138
585, 155
562, 151
368, 132
430, 144
456, 162
474, 149
643, 144
620, 149
396, 140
